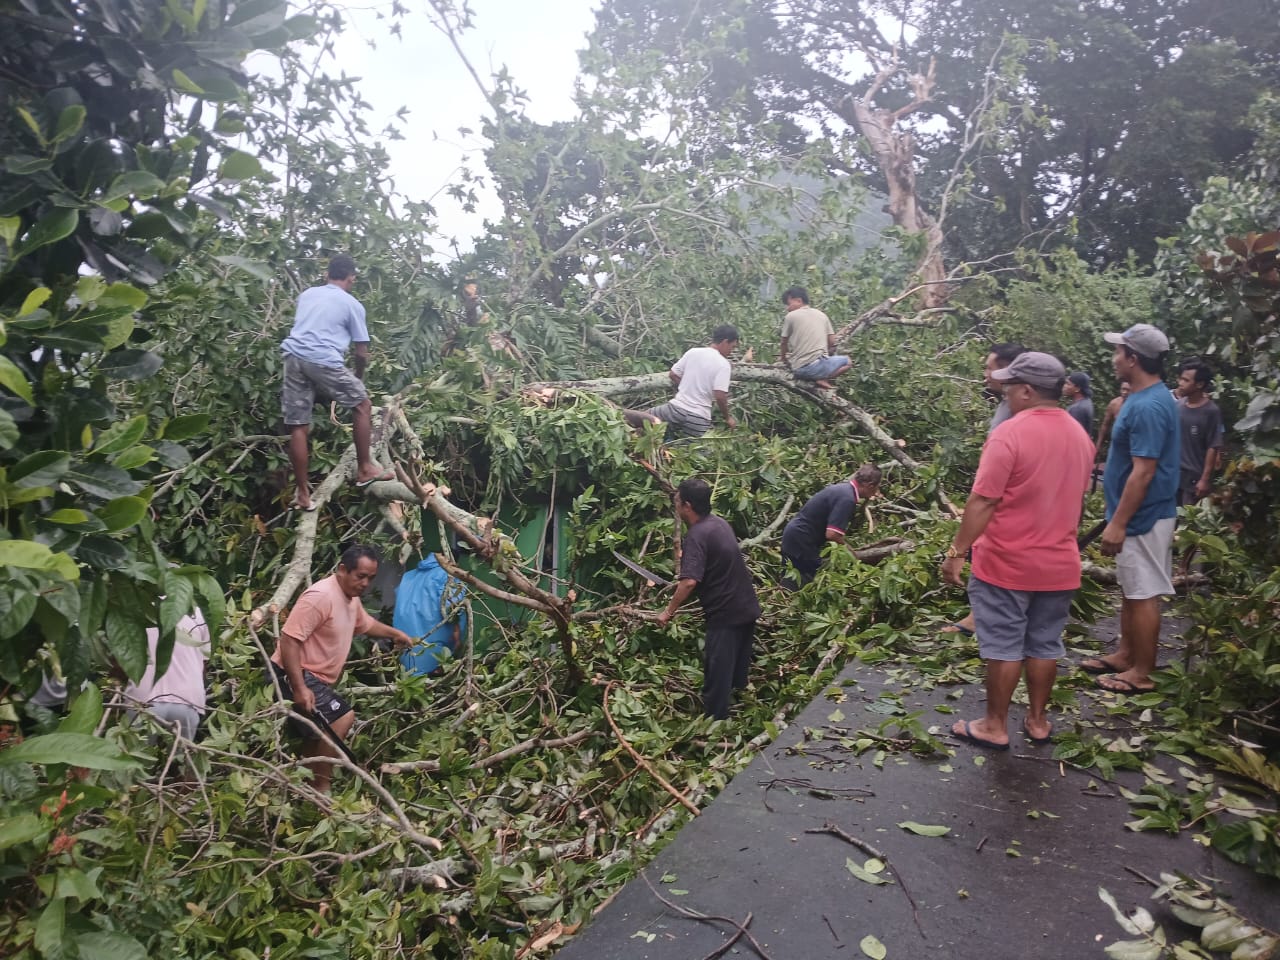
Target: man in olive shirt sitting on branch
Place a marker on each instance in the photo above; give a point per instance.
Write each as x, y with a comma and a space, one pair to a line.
313, 649
809, 341
712, 566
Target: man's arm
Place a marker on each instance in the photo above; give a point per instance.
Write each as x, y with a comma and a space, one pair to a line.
684, 590
360, 355
977, 514
674, 378
291, 657
722, 401
1135, 490
380, 631
831, 344
782, 351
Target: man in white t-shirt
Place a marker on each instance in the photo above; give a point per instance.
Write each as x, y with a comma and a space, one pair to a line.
809, 342
701, 378
177, 698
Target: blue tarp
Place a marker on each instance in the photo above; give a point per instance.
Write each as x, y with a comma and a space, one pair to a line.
428, 604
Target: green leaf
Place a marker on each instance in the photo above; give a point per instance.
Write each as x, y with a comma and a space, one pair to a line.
127, 642
52, 227
17, 606
64, 598
924, 829
873, 948
1134, 950
8, 431
1227, 933
178, 601
102, 945
23, 828
76, 749
103, 480
26, 554
9, 227
255, 268
135, 183
35, 299
73, 882
135, 457
102, 552
52, 924
121, 435
185, 427
122, 513
186, 84
42, 469
69, 122
863, 875
13, 380
117, 332
240, 166
130, 364
67, 516
123, 295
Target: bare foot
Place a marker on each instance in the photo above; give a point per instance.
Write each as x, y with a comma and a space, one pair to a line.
1037, 730
372, 473
301, 500
1108, 664
824, 384
1126, 682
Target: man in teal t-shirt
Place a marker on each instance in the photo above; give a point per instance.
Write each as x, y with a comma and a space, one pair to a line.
1141, 490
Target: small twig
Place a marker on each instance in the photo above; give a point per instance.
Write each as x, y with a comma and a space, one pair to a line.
829, 927
871, 851
981, 843
688, 804
1140, 875
709, 918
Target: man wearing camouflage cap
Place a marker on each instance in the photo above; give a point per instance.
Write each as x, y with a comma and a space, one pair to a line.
1141, 489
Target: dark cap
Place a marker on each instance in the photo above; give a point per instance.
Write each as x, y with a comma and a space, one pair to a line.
1082, 382
1037, 369
1141, 338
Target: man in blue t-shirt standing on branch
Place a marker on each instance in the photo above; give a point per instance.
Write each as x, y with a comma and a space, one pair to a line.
1141, 489
328, 321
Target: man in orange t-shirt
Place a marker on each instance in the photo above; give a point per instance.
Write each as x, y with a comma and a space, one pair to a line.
1021, 521
313, 648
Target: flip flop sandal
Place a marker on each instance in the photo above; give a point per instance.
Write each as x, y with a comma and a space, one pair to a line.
968, 737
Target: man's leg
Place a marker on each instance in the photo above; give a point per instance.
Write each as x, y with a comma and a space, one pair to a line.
300, 459
323, 772
742, 658
1041, 675
1142, 570
718, 660
1135, 659
1047, 615
1001, 617
362, 431
636, 419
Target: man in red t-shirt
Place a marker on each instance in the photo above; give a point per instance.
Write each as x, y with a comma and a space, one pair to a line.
313, 649
1021, 521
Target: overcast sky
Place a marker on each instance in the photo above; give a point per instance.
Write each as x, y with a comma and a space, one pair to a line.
537, 40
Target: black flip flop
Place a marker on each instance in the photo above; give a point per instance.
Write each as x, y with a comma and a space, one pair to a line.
968, 737
1032, 737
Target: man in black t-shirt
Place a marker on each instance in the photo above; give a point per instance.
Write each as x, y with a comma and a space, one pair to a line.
712, 566
1202, 432
826, 518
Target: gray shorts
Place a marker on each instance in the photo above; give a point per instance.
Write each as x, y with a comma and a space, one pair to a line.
182, 717
680, 423
1019, 624
1144, 563
304, 381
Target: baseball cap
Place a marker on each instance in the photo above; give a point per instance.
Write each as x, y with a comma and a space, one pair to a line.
1038, 369
1081, 380
1141, 338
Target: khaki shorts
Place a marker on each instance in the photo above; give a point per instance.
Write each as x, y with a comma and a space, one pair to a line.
1145, 562
304, 381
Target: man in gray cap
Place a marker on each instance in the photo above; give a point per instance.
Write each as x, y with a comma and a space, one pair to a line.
1079, 396
1141, 489
1021, 522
